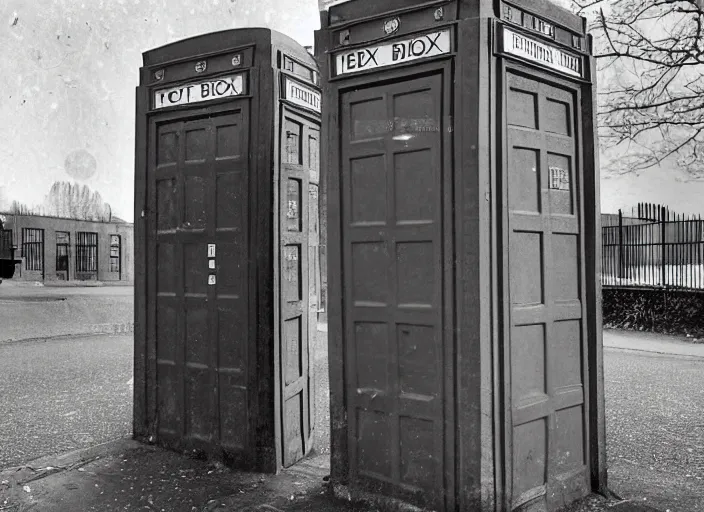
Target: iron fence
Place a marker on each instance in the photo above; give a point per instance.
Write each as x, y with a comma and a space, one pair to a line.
655, 249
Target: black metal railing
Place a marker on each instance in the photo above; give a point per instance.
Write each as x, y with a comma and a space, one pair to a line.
654, 249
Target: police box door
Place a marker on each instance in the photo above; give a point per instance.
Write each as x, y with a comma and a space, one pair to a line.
545, 353
198, 277
299, 156
392, 176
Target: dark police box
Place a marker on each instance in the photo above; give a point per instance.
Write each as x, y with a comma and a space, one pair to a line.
463, 241
227, 144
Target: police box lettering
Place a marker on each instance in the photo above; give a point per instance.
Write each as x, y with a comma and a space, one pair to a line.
363, 59
302, 95
200, 91
530, 49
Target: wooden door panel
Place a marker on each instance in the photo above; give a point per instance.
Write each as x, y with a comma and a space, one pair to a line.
198, 184
546, 356
392, 171
298, 166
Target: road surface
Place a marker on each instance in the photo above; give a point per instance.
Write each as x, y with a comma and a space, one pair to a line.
63, 394
655, 428
41, 311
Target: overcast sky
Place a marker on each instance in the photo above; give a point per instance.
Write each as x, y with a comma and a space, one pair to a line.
70, 67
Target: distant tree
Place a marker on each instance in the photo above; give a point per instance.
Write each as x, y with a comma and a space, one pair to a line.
74, 201
651, 53
17, 208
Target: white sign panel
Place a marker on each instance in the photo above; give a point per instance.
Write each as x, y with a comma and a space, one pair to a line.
302, 95
372, 57
324, 5
535, 51
211, 250
215, 88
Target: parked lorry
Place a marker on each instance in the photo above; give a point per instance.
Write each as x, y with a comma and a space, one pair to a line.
7, 253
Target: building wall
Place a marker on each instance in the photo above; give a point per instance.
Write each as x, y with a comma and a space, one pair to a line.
51, 225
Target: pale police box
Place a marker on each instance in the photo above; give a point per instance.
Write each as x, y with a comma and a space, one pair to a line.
463, 242
226, 219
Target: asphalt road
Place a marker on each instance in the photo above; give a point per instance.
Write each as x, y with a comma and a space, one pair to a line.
28, 312
655, 428
63, 394
16, 290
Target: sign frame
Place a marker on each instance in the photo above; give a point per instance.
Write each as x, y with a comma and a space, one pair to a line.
501, 33
407, 42
194, 87
288, 81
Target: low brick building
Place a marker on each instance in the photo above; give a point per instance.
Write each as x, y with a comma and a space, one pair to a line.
67, 249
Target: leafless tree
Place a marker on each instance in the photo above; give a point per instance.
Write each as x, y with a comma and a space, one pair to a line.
651, 68
71, 200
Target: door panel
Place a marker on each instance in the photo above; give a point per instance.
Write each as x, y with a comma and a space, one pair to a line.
546, 357
298, 167
198, 183
392, 172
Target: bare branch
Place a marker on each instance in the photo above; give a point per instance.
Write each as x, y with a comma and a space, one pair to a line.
651, 102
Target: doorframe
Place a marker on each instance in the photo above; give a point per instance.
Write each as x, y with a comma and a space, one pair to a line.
587, 175
298, 114
450, 219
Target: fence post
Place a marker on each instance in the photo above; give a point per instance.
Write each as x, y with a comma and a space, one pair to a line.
620, 245
663, 224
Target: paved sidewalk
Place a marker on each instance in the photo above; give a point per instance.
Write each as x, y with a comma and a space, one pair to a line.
651, 342
124, 475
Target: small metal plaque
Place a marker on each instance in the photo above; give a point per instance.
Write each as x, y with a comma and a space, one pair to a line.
211, 279
201, 66
211, 264
391, 26
237, 60
211, 250
559, 178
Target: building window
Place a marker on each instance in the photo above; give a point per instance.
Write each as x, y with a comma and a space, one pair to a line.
33, 248
114, 253
63, 243
86, 252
